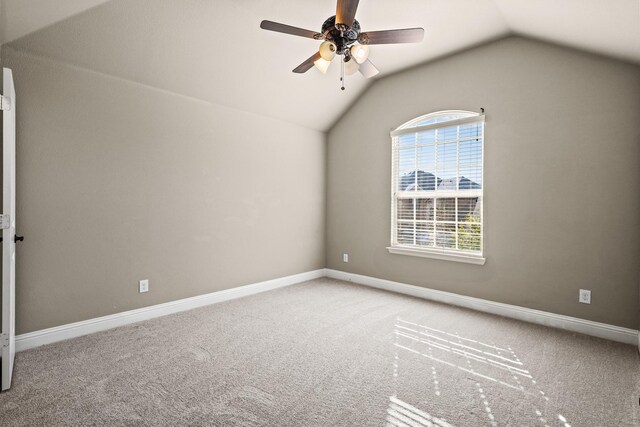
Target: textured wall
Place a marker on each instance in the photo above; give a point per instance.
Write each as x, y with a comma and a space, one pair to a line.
118, 182
562, 146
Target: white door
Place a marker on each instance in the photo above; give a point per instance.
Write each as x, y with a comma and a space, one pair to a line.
8, 337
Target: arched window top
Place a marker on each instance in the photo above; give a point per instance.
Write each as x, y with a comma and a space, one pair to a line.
437, 186
437, 117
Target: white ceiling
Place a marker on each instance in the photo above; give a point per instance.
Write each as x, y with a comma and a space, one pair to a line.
22, 17
215, 51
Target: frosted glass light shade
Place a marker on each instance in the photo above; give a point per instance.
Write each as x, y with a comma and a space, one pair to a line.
327, 50
350, 67
322, 65
360, 52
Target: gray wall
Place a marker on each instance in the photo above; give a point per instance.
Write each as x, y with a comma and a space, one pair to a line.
119, 182
562, 146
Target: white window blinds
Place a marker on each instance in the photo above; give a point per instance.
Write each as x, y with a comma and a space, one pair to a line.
437, 183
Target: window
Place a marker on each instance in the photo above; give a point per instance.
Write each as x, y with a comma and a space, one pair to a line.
437, 187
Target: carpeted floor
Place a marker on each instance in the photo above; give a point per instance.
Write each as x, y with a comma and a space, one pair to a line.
327, 353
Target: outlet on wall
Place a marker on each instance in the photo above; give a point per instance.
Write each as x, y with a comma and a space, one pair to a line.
345, 257
584, 296
143, 285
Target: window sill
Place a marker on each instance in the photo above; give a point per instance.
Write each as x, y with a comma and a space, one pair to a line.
446, 256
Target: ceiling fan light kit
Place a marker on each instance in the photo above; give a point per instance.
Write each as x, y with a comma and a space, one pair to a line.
351, 67
360, 52
327, 50
322, 65
342, 36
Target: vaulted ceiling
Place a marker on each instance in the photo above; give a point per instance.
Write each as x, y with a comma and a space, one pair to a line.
215, 51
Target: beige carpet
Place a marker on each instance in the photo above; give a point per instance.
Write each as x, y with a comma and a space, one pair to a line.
327, 353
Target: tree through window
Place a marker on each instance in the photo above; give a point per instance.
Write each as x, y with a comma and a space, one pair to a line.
437, 184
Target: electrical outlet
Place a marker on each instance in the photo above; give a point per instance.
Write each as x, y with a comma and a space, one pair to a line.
345, 257
584, 296
143, 285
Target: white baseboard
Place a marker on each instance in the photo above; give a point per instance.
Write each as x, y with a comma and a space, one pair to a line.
574, 324
72, 330
85, 327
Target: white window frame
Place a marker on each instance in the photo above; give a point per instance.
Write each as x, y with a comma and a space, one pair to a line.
433, 252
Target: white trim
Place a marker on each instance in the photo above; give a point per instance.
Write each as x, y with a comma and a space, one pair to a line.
431, 194
403, 131
397, 247
437, 254
573, 324
72, 330
85, 327
5, 103
413, 122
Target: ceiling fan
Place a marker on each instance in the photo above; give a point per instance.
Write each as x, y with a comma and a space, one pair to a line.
342, 36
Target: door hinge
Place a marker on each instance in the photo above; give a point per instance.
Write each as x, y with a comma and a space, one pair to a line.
5, 221
4, 340
5, 103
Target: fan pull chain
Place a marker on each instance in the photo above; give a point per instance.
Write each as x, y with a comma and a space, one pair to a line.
342, 73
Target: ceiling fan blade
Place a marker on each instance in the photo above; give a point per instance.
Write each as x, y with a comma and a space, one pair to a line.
288, 29
367, 69
407, 35
346, 12
308, 64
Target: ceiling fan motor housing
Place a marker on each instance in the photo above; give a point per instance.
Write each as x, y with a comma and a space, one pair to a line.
342, 37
